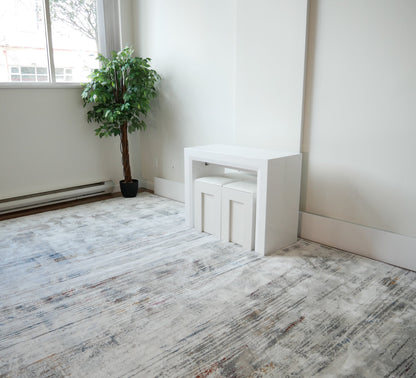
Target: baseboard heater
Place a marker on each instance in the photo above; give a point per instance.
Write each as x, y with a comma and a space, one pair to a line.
50, 197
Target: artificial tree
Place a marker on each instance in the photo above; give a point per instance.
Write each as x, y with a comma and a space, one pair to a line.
120, 92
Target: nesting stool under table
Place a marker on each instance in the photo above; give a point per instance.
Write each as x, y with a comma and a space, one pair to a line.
208, 203
238, 213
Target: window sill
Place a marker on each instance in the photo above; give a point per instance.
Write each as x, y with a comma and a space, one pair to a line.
40, 86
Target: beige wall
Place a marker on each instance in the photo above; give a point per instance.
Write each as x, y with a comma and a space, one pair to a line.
360, 134
270, 54
46, 143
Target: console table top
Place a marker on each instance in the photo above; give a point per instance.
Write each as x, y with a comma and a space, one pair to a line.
239, 151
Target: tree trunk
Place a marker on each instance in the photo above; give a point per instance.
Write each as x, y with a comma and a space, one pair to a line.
125, 152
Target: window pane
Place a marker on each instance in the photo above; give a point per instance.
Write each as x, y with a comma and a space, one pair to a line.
22, 38
41, 70
27, 70
74, 36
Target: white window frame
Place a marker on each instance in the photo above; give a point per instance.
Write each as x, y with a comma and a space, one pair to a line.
109, 39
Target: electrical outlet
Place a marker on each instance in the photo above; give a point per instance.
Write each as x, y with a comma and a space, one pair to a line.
155, 163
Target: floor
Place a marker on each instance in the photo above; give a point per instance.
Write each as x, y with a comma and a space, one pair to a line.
123, 288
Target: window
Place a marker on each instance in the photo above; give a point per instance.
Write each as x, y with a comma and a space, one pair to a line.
53, 41
28, 74
38, 74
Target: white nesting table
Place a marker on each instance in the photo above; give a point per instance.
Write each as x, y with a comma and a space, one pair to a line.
278, 188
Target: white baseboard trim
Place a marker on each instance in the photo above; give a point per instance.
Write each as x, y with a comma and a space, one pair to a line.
169, 189
380, 245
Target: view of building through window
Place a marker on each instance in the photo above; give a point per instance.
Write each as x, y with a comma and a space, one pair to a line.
24, 44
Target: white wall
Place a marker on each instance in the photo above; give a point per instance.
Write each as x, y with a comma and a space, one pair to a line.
191, 46
46, 143
270, 55
232, 73
359, 144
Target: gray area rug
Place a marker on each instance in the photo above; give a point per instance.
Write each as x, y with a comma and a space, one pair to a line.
123, 288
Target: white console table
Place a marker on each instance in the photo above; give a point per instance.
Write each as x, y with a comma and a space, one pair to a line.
278, 188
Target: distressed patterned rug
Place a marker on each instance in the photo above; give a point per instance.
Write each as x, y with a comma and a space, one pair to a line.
123, 288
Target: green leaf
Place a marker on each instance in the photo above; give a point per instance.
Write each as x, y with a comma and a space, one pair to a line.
120, 91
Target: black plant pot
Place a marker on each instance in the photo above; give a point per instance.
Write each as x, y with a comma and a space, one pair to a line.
129, 189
